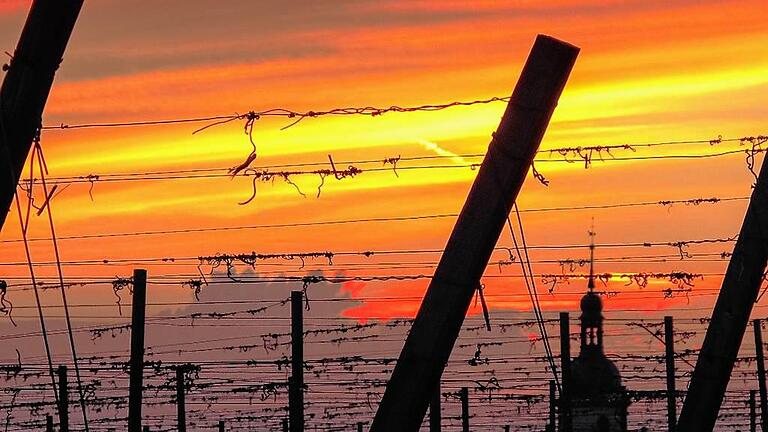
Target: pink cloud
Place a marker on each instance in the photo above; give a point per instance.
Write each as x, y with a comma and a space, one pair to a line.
354, 288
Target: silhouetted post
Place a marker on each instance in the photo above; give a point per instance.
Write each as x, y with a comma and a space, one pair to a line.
145, 429
63, 399
49, 423
552, 405
506, 428
181, 412
730, 316
296, 387
27, 84
285, 424
761, 375
669, 343
221, 425
360, 426
565, 374
457, 276
464, 395
752, 412
435, 414
138, 312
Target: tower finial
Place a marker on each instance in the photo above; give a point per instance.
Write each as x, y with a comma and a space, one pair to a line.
591, 283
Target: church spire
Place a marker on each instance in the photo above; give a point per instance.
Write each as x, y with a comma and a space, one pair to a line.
591, 308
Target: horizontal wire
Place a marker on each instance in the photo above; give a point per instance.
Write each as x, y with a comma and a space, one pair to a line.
666, 203
265, 174
279, 112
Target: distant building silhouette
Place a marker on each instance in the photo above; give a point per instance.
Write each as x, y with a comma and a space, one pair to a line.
599, 401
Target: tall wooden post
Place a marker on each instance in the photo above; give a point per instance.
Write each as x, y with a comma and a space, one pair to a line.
63, 399
360, 426
669, 343
221, 425
49, 423
761, 374
138, 313
296, 388
552, 405
181, 410
506, 428
457, 276
752, 412
435, 414
27, 84
730, 316
566, 424
464, 395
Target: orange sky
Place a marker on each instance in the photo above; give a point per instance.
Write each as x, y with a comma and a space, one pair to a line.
648, 71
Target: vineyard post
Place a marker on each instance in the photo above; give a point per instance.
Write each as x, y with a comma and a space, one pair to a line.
138, 313
565, 373
63, 399
27, 85
552, 405
669, 343
464, 395
752, 412
475, 234
730, 315
761, 374
296, 387
181, 413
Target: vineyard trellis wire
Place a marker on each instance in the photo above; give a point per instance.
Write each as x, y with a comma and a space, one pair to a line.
347, 384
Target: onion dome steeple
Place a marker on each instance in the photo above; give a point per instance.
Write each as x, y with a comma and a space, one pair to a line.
592, 372
599, 400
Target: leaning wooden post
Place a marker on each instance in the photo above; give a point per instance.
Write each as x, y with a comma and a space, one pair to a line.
435, 414
138, 313
565, 423
457, 276
730, 316
63, 399
464, 396
761, 374
181, 411
27, 85
669, 343
296, 387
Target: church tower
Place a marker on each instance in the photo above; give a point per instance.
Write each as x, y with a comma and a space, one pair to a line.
599, 401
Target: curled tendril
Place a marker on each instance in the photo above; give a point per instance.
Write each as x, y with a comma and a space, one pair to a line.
118, 285
6, 306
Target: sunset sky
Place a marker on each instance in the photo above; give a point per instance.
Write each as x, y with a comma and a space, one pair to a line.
649, 71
